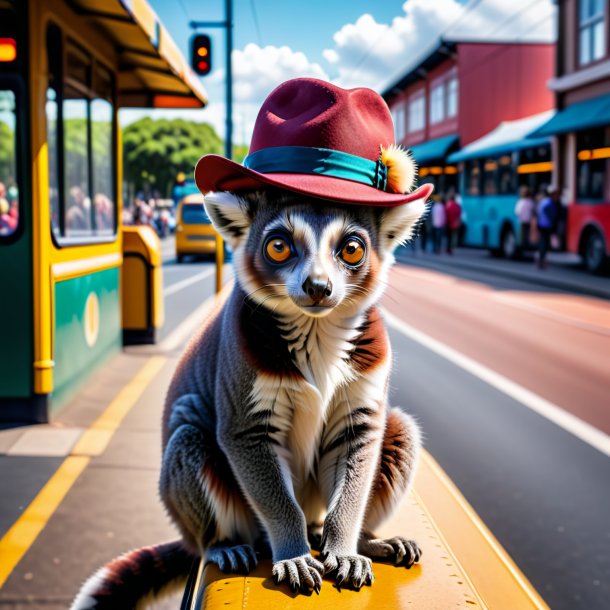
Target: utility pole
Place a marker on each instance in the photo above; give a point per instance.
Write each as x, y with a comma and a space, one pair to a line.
227, 24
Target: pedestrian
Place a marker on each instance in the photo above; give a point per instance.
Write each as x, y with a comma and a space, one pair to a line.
453, 213
524, 210
547, 218
439, 222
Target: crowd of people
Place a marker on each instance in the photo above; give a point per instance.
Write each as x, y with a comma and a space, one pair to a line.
545, 214
540, 223
151, 211
442, 225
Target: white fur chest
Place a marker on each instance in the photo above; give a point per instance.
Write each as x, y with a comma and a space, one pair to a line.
298, 407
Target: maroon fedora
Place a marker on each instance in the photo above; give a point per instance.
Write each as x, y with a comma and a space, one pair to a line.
314, 138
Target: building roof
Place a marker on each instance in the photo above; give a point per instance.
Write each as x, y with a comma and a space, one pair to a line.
152, 70
594, 112
507, 137
443, 48
433, 150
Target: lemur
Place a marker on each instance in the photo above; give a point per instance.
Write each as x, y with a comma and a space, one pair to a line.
277, 427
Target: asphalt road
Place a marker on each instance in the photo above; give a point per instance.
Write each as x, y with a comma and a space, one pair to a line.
542, 491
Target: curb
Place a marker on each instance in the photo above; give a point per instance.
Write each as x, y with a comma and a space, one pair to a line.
502, 270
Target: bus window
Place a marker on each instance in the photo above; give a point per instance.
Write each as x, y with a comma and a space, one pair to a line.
592, 159
490, 171
9, 194
534, 169
51, 111
506, 176
76, 165
81, 143
473, 177
102, 143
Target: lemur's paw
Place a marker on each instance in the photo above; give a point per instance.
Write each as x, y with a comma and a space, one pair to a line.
302, 573
348, 570
239, 559
398, 550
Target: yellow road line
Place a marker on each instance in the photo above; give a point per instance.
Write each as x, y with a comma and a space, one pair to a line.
23, 533
96, 438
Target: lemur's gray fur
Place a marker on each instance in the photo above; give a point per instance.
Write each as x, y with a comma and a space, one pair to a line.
276, 422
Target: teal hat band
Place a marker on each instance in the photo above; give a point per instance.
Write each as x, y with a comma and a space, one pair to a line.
323, 161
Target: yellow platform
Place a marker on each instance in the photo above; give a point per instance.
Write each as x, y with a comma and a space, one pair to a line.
463, 565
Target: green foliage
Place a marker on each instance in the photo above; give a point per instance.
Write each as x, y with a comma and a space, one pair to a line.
155, 151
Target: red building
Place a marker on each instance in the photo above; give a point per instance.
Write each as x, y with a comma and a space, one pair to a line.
461, 91
581, 127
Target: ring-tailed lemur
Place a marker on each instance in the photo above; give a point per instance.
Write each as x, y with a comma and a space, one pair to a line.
276, 422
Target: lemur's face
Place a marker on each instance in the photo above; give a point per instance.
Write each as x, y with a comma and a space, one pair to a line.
295, 254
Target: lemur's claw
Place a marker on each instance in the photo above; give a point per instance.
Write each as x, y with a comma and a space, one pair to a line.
238, 559
398, 550
303, 573
349, 570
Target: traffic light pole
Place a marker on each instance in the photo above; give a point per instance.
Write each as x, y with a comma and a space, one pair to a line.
228, 25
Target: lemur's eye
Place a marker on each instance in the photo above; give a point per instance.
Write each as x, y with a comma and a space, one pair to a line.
352, 251
277, 249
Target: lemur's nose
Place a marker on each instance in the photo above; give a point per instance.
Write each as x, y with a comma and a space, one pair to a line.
317, 288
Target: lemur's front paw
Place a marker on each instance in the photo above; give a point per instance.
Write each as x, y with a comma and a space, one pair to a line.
239, 559
354, 570
303, 573
398, 550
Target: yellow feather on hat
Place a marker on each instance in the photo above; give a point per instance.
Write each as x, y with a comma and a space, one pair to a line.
402, 169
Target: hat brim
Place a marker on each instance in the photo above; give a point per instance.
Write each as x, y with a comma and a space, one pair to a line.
216, 173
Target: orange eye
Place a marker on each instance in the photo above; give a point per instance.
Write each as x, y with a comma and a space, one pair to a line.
278, 250
352, 252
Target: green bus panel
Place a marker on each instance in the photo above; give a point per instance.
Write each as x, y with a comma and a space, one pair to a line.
87, 329
16, 340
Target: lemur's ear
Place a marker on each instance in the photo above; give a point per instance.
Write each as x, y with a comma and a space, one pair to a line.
230, 215
398, 224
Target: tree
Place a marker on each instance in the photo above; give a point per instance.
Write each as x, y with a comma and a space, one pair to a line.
155, 151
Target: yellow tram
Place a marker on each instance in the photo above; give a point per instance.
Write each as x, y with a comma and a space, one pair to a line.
66, 67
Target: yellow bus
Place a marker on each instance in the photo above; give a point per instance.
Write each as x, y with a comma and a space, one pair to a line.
66, 67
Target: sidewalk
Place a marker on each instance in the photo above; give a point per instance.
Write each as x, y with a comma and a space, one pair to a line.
94, 473
564, 271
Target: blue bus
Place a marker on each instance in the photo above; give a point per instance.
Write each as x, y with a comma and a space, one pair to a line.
489, 187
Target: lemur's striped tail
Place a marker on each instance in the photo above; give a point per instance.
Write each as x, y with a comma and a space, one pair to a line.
133, 578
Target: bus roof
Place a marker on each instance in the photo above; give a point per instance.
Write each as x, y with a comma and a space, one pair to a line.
154, 73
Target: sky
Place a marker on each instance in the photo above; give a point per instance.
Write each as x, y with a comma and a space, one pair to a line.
352, 43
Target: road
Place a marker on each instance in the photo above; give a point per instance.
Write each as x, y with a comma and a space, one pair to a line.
508, 377
541, 489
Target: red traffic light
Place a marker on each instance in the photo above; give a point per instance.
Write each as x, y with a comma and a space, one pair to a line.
201, 54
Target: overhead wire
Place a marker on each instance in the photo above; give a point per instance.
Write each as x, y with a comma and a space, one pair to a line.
256, 24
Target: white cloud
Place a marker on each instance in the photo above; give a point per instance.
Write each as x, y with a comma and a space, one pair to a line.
367, 53
258, 70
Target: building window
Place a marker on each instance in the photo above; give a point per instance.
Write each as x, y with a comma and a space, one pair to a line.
417, 112
452, 97
437, 103
591, 31
399, 118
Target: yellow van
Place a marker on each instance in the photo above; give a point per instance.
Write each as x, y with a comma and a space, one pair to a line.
194, 232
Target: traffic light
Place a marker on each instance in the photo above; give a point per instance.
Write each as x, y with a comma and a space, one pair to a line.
201, 54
